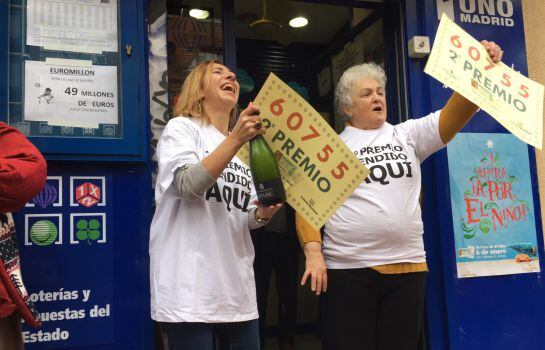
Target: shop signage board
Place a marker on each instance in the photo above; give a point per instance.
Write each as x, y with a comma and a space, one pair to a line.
500, 13
68, 262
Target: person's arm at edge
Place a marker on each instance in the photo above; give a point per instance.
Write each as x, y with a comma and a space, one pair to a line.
23, 169
311, 241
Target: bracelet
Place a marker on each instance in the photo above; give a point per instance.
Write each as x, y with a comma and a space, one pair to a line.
260, 220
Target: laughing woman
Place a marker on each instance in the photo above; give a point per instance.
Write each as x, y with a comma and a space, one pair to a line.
372, 261
201, 253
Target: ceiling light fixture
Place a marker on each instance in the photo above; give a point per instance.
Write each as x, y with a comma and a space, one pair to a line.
199, 14
298, 22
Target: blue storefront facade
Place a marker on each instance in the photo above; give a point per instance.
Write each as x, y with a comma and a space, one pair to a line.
84, 239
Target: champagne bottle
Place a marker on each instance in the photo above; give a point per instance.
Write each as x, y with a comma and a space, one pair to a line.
265, 173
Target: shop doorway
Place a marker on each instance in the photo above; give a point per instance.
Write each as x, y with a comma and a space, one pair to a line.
338, 35
311, 59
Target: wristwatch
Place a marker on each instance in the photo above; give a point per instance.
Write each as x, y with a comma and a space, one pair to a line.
260, 220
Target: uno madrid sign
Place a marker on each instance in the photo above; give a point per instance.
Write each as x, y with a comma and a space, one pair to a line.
487, 12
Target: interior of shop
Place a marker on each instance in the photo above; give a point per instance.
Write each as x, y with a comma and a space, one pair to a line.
310, 57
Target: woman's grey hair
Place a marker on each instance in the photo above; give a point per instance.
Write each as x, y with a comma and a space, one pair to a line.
349, 78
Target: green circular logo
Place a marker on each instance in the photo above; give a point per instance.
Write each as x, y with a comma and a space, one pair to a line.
43, 233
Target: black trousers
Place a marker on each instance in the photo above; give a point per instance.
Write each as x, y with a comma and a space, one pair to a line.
366, 310
277, 252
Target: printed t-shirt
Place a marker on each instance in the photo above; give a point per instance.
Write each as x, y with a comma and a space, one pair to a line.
201, 253
381, 222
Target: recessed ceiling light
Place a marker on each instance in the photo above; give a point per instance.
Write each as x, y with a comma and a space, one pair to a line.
199, 14
298, 22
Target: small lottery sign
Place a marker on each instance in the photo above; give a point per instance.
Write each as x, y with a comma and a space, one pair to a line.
88, 194
462, 63
318, 171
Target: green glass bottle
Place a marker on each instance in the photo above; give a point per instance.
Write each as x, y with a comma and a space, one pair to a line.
265, 173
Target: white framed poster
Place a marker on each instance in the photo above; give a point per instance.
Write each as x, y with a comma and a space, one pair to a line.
493, 213
88, 26
68, 95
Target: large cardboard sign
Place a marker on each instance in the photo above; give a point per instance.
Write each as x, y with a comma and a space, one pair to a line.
318, 171
462, 63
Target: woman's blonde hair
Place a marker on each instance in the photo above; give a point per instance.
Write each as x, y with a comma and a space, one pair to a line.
190, 99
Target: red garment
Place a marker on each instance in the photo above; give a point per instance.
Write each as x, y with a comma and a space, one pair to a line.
22, 176
22, 169
7, 306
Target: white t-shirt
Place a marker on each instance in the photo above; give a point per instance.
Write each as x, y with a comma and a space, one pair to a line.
201, 253
381, 222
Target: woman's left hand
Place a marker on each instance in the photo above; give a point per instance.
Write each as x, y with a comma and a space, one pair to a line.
494, 50
265, 212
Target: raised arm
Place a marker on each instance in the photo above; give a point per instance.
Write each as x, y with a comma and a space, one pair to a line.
243, 132
459, 110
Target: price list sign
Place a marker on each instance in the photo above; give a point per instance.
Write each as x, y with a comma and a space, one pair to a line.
318, 171
462, 63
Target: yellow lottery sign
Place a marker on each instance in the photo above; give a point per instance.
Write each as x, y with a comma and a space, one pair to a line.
318, 171
462, 63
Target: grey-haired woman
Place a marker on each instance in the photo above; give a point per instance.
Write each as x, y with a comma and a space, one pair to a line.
372, 261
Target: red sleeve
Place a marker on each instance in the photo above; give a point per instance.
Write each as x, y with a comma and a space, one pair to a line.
23, 169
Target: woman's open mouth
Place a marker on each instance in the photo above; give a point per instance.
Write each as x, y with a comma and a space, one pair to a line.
228, 87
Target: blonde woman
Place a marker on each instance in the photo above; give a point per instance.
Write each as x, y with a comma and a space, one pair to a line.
201, 252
